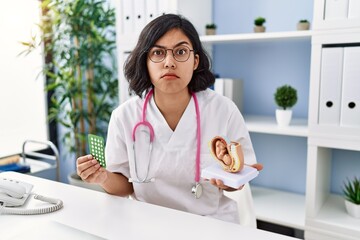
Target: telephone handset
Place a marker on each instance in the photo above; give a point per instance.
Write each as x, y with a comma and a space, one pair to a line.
14, 193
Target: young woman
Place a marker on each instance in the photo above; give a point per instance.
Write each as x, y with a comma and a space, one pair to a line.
157, 142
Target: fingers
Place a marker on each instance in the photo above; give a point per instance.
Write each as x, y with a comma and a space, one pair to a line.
90, 173
258, 166
220, 184
83, 159
87, 166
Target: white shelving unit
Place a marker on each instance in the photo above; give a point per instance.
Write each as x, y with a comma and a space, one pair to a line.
275, 206
326, 217
266, 124
318, 212
279, 207
256, 37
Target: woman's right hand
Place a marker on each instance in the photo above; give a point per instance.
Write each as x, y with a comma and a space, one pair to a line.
89, 170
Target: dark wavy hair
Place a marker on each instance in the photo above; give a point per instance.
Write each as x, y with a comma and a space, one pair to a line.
135, 68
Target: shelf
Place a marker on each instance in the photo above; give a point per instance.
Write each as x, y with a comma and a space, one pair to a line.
257, 37
266, 124
334, 218
279, 207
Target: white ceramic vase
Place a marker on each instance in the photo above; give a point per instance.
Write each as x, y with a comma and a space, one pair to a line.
283, 117
352, 209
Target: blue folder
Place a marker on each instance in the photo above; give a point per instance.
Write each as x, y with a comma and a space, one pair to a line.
16, 167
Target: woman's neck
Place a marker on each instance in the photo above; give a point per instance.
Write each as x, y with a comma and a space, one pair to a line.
172, 106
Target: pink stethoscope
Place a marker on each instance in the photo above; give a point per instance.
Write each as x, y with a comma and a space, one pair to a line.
196, 188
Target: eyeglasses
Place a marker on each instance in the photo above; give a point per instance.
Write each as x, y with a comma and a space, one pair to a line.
180, 53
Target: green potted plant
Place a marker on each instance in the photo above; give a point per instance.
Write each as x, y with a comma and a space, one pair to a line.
210, 29
78, 40
259, 24
303, 24
285, 97
351, 190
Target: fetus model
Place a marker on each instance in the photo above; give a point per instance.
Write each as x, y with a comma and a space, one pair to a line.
230, 156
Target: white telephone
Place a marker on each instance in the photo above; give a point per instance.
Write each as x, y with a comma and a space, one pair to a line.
14, 193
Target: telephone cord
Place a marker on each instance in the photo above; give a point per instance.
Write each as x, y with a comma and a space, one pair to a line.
57, 204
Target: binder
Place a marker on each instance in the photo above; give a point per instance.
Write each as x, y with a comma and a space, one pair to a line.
336, 9
139, 15
165, 6
231, 88
151, 10
330, 86
354, 9
127, 16
350, 102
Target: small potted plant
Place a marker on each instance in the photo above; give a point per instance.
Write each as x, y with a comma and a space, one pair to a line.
351, 191
259, 22
210, 29
303, 24
285, 97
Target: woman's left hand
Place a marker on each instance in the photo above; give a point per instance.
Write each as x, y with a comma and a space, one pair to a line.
220, 184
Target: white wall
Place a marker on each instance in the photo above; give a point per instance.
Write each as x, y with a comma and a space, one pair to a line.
22, 97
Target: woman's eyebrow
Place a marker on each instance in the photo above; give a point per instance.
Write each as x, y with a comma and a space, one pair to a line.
178, 44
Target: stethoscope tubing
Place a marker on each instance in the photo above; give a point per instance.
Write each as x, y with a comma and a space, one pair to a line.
152, 135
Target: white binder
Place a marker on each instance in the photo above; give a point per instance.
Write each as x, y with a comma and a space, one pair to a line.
330, 85
354, 9
127, 16
336, 9
350, 103
231, 88
165, 6
139, 15
151, 10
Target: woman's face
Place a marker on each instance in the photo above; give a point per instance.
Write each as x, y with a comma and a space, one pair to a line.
170, 75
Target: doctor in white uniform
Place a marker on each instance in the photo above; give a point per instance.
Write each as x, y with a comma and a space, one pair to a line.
158, 161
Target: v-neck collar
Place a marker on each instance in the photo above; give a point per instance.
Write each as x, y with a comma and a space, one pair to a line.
184, 132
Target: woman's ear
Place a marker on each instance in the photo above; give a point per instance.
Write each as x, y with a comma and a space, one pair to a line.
196, 61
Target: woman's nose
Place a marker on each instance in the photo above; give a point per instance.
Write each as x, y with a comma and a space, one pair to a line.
169, 60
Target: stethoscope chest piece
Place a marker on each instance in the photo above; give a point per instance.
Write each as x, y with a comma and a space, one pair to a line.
197, 190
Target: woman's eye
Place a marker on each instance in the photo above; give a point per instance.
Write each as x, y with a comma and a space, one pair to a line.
181, 51
158, 52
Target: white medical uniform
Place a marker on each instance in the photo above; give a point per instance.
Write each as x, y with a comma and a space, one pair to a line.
172, 160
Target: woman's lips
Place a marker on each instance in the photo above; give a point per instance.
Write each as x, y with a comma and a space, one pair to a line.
169, 76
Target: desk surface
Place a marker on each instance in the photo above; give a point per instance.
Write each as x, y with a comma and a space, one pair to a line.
114, 217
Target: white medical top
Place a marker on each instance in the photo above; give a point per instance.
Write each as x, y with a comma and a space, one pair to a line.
172, 160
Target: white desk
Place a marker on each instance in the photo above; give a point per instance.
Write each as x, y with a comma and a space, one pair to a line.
114, 217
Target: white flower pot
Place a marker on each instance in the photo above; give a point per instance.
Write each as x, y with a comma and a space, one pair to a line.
283, 117
352, 209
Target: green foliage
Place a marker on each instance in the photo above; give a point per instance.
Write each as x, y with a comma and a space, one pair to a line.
259, 21
351, 190
210, 26
285, 96
78, 37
